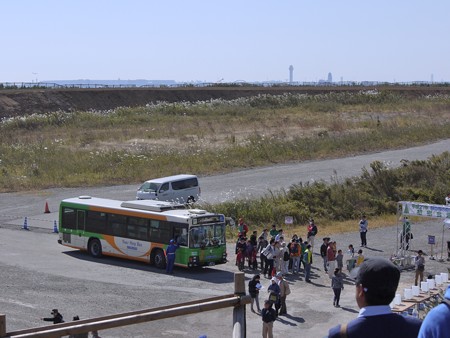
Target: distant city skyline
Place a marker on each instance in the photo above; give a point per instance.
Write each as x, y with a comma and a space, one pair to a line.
253, 41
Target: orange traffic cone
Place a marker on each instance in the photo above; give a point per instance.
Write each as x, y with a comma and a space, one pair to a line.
47, 210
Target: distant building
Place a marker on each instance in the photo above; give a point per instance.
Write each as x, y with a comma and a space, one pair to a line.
291, 73
330, 77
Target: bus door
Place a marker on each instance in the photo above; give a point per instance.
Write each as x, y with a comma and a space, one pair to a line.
80, 239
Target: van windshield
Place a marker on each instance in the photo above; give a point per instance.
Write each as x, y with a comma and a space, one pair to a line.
149, 187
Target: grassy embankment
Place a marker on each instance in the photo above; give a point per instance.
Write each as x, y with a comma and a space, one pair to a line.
129, 145
338, 206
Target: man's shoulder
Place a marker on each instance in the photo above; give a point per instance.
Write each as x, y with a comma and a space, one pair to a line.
408, 327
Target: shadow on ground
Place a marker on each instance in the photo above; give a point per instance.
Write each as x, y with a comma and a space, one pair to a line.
205, 274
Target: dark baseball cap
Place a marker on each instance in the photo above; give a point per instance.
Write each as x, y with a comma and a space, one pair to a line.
379, 277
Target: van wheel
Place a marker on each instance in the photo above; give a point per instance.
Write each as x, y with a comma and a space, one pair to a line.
159, 259
95, 248
190, 200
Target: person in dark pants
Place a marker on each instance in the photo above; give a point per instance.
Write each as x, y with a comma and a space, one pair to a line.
56, 319
170, 255
268, 316
337, 284
269, 254
363, 226
376, 284
262, 244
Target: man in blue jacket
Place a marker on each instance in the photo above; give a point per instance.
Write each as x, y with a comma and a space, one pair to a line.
437, 322
170, 255
376, 284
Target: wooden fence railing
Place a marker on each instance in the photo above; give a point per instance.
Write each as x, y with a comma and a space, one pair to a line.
238, 300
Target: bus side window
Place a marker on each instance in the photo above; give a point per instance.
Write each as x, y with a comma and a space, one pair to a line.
69, 218
141, 227
96, 221
117, 224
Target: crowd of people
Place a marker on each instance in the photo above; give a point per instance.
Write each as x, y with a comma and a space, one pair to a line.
273, 255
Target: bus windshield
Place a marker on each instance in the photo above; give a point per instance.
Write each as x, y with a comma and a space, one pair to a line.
207, 235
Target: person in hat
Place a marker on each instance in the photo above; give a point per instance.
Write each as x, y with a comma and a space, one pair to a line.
376, 284
268, 316
274, 294
170, 255
56, 317
284, 292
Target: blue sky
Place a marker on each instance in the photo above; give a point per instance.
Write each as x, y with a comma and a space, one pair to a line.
235, 40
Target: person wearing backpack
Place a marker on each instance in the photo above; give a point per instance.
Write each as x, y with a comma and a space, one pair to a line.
295, 253
284, 292
286, 258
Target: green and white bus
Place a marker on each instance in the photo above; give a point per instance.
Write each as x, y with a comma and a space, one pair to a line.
142, 230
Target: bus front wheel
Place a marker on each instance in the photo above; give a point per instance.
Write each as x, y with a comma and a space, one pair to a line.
95, 248
159, 259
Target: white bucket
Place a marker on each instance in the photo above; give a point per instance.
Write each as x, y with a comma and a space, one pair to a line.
431, 284
424, 286
408, 293
397, 299
444, 276
438, 279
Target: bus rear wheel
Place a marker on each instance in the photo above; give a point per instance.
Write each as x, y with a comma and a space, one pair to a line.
95, 248
159, 259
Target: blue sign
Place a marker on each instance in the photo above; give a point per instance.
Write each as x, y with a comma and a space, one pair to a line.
431, 240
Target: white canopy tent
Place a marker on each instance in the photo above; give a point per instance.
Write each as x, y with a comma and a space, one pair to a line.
436, 211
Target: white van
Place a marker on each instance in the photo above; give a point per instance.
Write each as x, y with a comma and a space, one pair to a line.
178, 188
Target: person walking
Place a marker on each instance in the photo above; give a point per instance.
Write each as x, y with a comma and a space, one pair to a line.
307, 259
274, 294
340, 260
337, 284
170, 255
284, 292
419, 263
376, 284
323, 252
363, 227
56, 317
253, 289
268, 316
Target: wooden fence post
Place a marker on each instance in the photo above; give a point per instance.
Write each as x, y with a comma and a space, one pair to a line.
239, 324
2, 325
